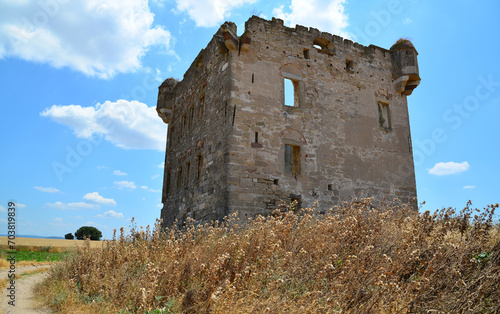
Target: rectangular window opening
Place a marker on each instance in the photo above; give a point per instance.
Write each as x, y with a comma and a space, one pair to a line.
167, 183
170, 136
292, 159
306, 53
191, 117
349, 66
330, 187
290, 92
200, 166
201, 107
184, 124
179, 178
253, 77
295, 201
276, 181
256, 137
384, 116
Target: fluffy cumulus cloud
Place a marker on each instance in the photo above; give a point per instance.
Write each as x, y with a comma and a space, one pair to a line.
46, 189
97, 37
469, 187
209, 13
73, 206
95, 198
125, 185
325, 15
447, 168
126, 124
119, 173
111, 214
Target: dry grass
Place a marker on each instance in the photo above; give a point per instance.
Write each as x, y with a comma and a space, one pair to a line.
49, 245
351, 259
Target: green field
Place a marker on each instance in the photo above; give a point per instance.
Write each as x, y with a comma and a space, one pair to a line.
35, 256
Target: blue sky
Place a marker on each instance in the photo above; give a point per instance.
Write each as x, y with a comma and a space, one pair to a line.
82, 143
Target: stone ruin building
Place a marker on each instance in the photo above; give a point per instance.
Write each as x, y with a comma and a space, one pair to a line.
291, 114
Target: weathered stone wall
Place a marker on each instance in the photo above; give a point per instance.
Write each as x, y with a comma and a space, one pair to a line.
349, 127
195, 180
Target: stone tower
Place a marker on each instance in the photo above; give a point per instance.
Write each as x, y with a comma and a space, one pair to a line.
286, 114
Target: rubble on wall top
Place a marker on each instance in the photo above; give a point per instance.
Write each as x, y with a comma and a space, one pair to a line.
308, 31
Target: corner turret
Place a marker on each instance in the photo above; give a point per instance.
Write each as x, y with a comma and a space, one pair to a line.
165, 94
405, 66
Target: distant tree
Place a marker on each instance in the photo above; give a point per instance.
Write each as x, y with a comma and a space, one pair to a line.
88, 232
69, 236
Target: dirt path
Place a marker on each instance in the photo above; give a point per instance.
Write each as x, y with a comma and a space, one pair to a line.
25, 302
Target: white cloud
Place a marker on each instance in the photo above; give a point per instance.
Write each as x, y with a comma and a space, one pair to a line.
325, 15
125, 184
111, 214
155, 176
96, 37
144, 187
162, 165
407, 21
47, 190
209, 13
101, 167
447, 168
119, 173
127, 124
2, 209
80, 205
94, 197
469, 187
19, 205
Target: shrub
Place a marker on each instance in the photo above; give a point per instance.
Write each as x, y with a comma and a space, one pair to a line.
351, 259
69, 236
88, 232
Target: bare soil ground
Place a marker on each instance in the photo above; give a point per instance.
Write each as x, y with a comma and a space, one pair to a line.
24, 287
